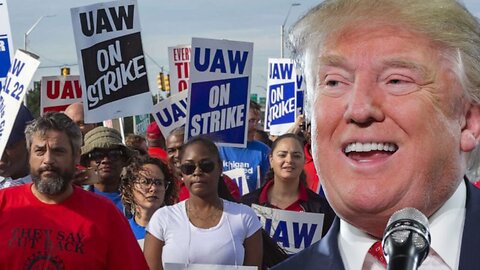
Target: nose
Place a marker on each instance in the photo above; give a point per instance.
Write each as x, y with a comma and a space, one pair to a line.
288, 158
364, 104
48, 158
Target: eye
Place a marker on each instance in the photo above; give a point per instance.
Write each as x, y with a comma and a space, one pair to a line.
400, 85
332, 83
298, 155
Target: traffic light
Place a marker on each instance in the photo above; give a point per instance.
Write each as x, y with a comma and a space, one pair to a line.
65, 71
166, 83
160, 82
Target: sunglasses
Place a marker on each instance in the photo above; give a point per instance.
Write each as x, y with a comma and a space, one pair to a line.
148, 182
113, 155
205, 165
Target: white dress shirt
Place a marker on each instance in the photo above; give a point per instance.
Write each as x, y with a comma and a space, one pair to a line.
446, 229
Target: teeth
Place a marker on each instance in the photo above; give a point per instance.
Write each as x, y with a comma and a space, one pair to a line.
366, 147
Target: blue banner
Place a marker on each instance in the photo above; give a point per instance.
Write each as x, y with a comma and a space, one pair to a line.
220, 110
281, 104
4, 56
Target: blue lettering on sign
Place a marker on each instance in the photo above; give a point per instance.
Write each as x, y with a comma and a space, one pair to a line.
303, 234
281, 71
299, 81
216, 62
239, 181
281, 234
300, 101
17, 67
166, 118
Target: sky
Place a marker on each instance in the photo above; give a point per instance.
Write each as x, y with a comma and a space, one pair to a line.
165, 23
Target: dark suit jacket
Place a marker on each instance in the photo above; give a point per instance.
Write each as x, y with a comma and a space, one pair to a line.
326, 255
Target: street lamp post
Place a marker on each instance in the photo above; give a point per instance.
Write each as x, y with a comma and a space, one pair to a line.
282, 29
25, 36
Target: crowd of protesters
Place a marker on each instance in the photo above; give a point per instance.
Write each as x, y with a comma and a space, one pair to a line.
149, 191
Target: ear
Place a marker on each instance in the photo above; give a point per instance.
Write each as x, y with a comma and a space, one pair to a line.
270, 159
470, 135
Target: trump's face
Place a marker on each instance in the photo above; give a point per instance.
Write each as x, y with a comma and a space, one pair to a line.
390, 124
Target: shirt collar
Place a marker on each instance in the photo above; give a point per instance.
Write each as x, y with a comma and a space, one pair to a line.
263, 198
446, 229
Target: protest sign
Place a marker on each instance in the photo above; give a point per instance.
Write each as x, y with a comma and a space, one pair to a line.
280, 110
179, 63
292, 230
16, 84
6, 44
238, 175
300, 88
220, 72
171, 112
58, 92
140, 124
111, 61
185, 266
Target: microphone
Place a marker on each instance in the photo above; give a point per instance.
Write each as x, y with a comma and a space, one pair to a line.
406, 240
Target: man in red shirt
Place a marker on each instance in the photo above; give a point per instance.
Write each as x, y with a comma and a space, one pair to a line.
52, 224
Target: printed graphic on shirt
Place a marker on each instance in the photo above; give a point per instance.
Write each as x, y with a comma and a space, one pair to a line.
45, 246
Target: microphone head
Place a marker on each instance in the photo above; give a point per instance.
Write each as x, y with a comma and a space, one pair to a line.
407, 231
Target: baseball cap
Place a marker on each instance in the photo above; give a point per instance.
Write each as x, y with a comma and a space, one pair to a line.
153, 131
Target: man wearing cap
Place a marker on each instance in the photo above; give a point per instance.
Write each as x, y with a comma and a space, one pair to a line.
156, 142
52, 224
104, 153
14, 169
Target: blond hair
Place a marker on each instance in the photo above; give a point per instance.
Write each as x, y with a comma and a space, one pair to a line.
447, 23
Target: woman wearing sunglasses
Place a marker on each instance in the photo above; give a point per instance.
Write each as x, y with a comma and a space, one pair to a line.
145, 187
204, 229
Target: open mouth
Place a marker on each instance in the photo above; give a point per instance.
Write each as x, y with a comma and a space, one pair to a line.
361, 151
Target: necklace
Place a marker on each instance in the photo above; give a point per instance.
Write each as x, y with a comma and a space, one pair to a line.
210, 217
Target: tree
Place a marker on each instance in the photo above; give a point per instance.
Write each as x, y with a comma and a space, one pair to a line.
33, 99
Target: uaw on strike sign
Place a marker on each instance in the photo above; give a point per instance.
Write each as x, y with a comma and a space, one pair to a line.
220, 72
112, 64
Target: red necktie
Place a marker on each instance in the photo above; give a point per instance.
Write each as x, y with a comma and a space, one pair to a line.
377, 252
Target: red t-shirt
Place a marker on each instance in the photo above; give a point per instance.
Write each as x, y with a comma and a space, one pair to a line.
296, 206
85, 231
